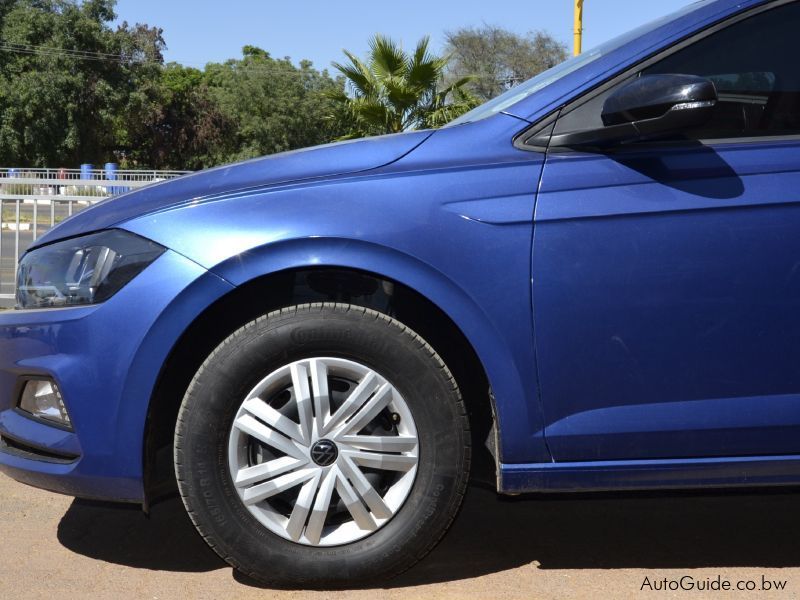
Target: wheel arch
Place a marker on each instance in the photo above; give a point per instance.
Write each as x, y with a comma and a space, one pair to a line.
337, 270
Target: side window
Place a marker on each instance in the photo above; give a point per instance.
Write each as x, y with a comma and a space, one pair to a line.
754, 68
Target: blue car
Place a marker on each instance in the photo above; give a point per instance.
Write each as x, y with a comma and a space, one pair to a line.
591, 282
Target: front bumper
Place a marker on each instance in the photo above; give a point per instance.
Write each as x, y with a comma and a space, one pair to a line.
106, 360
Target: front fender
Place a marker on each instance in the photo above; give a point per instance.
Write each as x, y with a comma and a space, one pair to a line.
458, 234
517, 416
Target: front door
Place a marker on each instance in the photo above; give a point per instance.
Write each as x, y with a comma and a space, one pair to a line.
666, 276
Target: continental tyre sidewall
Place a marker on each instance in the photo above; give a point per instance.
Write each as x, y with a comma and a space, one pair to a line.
268, 343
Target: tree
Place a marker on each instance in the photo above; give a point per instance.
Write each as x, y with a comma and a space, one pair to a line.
73, 89
272, 104
67, 79
181, 127
392, 91
499, 59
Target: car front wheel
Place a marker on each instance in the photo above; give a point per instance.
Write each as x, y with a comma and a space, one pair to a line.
322, 445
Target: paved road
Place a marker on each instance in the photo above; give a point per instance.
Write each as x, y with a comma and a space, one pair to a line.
533, 547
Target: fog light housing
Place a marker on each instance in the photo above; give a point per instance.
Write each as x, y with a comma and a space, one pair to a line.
42, 399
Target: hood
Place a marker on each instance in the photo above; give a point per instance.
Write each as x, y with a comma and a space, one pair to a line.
321, 161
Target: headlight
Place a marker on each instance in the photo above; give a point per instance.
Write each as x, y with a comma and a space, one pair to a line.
83, 270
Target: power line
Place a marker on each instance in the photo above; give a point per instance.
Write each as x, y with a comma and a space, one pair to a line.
68, 53
64, 50
118, 58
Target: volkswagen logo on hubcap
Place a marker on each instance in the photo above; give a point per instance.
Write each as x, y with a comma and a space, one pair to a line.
324, 453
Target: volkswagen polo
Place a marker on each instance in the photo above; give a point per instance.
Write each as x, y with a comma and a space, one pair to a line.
591, 282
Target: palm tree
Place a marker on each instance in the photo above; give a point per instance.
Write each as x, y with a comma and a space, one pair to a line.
393, 91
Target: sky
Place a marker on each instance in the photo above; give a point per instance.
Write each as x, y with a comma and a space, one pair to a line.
202, 31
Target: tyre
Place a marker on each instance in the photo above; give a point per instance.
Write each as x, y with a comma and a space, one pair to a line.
322, 445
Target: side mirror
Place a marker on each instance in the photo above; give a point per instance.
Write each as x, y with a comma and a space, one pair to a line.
648, 107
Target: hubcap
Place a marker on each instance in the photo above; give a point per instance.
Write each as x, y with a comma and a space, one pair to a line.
323, 451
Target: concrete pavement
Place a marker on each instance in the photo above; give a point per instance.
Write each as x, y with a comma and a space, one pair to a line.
528, 547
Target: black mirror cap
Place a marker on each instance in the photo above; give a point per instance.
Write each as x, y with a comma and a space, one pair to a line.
652, 96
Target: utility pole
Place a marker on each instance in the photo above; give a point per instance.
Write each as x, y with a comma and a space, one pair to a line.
578, 26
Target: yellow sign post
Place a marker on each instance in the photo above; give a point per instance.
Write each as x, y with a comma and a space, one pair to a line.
578, 26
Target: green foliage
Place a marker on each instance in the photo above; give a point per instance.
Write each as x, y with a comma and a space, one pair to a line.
61, 107
74, 89
271, 104
392, 91
56, 107
180, 126
499, 59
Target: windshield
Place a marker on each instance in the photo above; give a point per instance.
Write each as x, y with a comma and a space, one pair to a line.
542, 80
